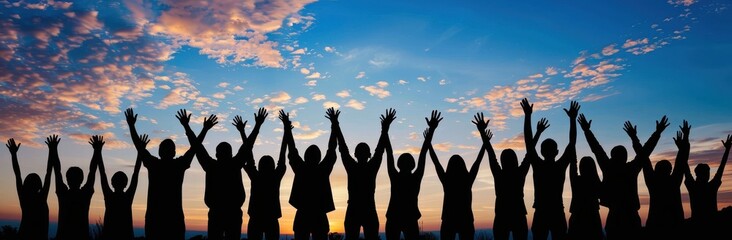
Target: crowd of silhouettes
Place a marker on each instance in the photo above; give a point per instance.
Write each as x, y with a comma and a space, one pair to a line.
312, 197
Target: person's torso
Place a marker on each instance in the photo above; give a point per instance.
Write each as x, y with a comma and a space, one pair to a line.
404, 200
264, 200
548, 184
361, 184
224, 186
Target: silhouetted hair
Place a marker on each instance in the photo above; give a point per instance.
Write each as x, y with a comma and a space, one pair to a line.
32, 183
312, 155
702, 172
456, 166
74, 176
549, 148
266, 164
119, 180
223, 151
405, 162
663, 168
363, 151
509, 159
587, 168
619, 154
167, 149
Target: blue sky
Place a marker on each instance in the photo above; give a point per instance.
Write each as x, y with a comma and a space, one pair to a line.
71, 68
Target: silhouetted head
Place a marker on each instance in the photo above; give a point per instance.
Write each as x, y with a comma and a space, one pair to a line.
702, 172
312, 155
405, 162
549, 149
587, 167
223, 151
363, 152
266, 164
32, 183
166, 149
663, 168
74, 177
119, 181
456, 166
619, 154
509, 159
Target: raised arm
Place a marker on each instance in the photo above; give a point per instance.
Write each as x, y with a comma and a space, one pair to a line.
632, 132
346, 157
570, 152
542, 125
138, 164
682, 156
720, 170
432, 124
293, 156
16, 167
528, 132
131, 118
287, 125
390, 166
184, 118
97, 143
602, 158
386, 119
485, 135
259, 118
52, 142
204, 159
653, 139
330, 154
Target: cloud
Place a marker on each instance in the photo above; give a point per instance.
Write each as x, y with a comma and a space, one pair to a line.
298, 51
379, 90
685, 3
312, 83
329, 49
308, 135
408, 149
223, 84
360, 75
228, 31
632, 43
442, 82
280, 97
550, 71
301, 100
423, 79
442, 147
353, 103
343, 94
318, 97
314, 75
331, 104
402, 82
609, 50
516, 143
304, 71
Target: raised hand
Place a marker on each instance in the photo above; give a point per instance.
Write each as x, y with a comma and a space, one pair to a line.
488, 134
238, 123
285, 118
130, 116
260, 116
183, 116
480, 122
426, 133
574, 108
727, 144
630, 129
685, 129
53, 141
528, 108
97, 142
332, 114
434, 119
209, 122
660, 126
387, 118
12, 146
144, 140
542, 125
584, 124
679, 140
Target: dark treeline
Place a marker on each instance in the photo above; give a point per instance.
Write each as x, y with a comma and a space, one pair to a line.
312, 195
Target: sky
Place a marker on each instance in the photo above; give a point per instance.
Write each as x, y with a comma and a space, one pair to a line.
71, 68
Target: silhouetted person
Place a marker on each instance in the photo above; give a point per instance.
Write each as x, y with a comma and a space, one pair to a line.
74, 199
585, 222
549, 175
362, 171
457, 183
225, 194
164, 217
509, 178
33, 194
703, 196
403, 214
620, 182
264, 201
665, 211
311, 193
118, 202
